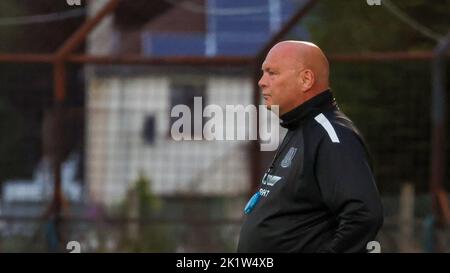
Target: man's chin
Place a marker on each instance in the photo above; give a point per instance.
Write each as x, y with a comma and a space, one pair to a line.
273, 108
268, 105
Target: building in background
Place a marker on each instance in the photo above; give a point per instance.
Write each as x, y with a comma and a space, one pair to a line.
128, 108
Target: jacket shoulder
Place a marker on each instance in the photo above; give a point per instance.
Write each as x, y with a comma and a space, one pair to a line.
334, 126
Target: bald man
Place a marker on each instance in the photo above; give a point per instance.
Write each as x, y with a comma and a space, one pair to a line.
319, 194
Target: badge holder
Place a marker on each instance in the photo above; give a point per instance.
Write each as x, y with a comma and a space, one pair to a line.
252, 203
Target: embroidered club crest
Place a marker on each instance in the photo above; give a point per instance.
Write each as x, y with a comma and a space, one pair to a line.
287, 160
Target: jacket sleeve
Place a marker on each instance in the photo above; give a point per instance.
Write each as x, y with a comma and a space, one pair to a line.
348, 189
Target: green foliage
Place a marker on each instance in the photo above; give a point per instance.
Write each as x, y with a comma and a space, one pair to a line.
354, 26
12, 147
151, 235
390, 104
388, 101
148, 202
8, 9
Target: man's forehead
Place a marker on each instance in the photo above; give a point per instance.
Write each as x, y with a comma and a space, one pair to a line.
269, 63
274, 59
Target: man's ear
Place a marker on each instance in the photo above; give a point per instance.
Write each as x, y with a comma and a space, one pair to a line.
307, 79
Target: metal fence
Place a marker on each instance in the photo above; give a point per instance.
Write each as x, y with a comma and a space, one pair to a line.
189, 197
86, 152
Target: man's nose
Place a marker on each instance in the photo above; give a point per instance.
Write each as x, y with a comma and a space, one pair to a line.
262, 82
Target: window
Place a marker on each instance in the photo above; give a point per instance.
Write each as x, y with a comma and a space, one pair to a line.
148, 132
182, 93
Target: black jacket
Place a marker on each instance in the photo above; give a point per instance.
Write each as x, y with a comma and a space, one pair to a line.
319, 194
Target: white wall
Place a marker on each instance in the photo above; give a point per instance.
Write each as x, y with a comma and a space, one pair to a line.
101, 40
116, 151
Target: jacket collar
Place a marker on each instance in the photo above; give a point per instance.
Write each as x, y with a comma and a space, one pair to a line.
296, 116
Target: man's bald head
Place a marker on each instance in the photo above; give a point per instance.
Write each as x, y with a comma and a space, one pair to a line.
294, 72
307, 56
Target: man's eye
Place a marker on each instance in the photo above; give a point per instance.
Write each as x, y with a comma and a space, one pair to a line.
271, 73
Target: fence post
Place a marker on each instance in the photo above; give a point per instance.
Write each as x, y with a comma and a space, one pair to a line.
406, 219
